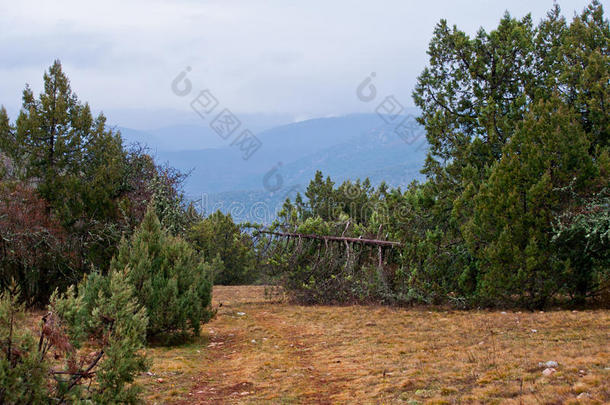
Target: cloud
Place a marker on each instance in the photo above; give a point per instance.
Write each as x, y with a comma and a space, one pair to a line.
303, 58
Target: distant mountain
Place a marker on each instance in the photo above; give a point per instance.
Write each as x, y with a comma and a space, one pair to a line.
170, 130
378, 154
349, 147
223, 169
174, 138
149, 120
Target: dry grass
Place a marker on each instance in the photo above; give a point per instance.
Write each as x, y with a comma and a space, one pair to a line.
280, 353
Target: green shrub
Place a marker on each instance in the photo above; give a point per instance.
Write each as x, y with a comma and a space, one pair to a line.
104, 310
581, 234
170, 279
103, 313
23, 374
217, 236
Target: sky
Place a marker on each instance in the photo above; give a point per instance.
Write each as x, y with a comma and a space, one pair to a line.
301, 59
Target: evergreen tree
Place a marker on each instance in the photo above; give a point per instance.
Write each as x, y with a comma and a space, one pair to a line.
320, 199
105, 316
93, 187
57, 139
170, 279
76, 164
511, 230
103, 311
23, 373
475, 95
7, 135
581, 233
218, 237
585, 73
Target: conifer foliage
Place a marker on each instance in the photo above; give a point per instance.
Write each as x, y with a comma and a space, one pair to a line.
170, 278
221, 240
70, 189
53, 367
514, 210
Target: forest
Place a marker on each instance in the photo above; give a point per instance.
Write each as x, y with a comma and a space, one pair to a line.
102, 256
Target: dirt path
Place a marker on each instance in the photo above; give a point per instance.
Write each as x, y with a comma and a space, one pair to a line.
256, 347
255, 351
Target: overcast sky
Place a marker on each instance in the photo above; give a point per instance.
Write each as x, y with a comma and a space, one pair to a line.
304, 58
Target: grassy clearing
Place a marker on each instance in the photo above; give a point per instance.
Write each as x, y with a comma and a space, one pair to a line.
256, 351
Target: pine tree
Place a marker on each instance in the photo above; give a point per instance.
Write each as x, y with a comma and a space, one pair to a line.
103, 312
511, 230
217, 236
76, 164
320, 197
23, 372
123, 359
585, 74
51, 134
170, 279
581, 234
474, 96
7, 135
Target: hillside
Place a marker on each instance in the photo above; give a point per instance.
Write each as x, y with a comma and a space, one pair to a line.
348, 147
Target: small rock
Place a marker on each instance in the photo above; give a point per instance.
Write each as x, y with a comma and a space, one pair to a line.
503, 313
583, 395
241, 313
253, 341
551, 364
244, 393
148, 373
534, 330
160, 380
548, 372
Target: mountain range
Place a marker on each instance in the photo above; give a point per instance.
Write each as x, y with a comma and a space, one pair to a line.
348, 147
